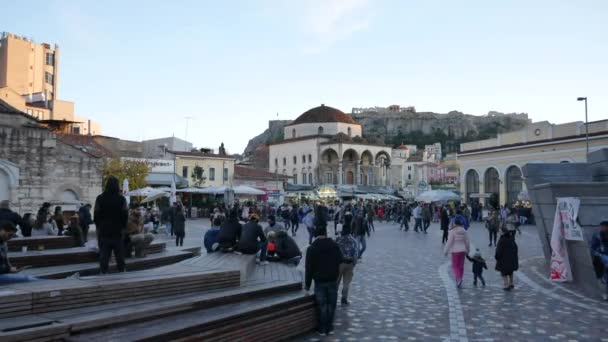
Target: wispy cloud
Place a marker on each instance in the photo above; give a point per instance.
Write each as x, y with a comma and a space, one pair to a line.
330, 21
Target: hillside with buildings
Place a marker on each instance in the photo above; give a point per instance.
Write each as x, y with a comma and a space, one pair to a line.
394, 125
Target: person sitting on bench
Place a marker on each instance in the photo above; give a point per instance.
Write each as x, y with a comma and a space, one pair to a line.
8, 273
212, 236
253, 239
75, 231
138, 239
230, 232
285, 248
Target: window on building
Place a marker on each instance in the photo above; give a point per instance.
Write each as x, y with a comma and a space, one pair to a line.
76, 130
303, 177
276, 162
225, 174
409, 177
320, 129
50, 58
350, 132
310, 158
185, 171
295, 160
48, 77
329, 178
211, 173
293, 133
303, 159
409, 168
295, 178
29, 111
310, 179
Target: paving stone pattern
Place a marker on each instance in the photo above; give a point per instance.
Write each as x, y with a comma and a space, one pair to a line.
404, 291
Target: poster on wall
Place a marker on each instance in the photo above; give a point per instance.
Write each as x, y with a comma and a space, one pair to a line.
560, 264
568, 208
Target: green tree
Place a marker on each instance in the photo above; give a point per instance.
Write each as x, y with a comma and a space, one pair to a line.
198, 174
134, 171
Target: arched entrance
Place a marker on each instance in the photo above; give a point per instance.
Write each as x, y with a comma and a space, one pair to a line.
491, 182
471, 184
367, 162
350, 178
514, 184
328, 166
69, 196
5, 189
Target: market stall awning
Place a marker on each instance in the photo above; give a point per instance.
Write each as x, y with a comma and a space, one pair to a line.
437, 196
238, 190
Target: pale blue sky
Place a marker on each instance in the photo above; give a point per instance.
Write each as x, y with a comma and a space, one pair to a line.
140, 67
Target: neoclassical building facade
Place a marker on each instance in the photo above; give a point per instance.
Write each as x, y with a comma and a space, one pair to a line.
324, 146
492, 168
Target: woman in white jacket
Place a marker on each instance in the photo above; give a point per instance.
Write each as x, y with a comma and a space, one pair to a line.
458, 245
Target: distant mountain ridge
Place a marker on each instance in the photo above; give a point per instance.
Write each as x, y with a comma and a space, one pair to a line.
395, 125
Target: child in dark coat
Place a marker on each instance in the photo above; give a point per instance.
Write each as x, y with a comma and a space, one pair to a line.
478, 265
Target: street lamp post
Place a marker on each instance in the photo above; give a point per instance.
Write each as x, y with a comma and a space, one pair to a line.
586, 125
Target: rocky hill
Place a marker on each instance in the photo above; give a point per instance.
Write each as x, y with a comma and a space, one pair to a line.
396, 125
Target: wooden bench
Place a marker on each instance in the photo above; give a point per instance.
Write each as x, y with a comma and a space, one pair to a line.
35, 243
92, 268
66, 256
196, 299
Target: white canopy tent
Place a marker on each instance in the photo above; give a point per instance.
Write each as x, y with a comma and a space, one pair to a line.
147, 191
238, 190
437, 196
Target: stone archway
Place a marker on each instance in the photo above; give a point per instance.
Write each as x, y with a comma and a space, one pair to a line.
328, 166
350, 165
383, 164
350, 178
367, 163
491, 181
471, 184
5, 188
514, 184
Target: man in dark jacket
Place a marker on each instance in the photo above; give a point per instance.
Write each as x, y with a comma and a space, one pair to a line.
111, 216
6, 214
287, 249
323, 259
507, 260
361, 229
445, 223
84, 217
253, 239
230, 232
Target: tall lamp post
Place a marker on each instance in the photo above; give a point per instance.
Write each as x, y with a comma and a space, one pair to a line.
586, 125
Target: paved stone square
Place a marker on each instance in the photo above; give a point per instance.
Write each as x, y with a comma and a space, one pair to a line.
403, 291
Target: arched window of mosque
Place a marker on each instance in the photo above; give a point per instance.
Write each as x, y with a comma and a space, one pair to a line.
276, 161
310, 158
284, 161
293, 133
295, 160
349, 132
320, 129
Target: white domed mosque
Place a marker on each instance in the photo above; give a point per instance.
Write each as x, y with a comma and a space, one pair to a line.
324, 146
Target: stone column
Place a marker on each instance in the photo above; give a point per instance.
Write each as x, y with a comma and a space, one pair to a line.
372, 180
340, 172
388, 175
357, 171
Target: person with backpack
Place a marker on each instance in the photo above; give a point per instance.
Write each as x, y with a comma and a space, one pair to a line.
350, 254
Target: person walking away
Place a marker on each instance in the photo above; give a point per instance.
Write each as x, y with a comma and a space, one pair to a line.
75, 231
211, 238
361, 230
286, 216
462, 218
445, 224
493, 225
286, 249
42, 227
418, 218
309, 222
253, 240
295, 220
370, 218
599, 254
338, 213
479, 264
59, 221
458, 246
405, 218
111, 215
8, 273
506, 257
323, 259
350, 253
84, 216
426, 217
179, 225
230, 232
